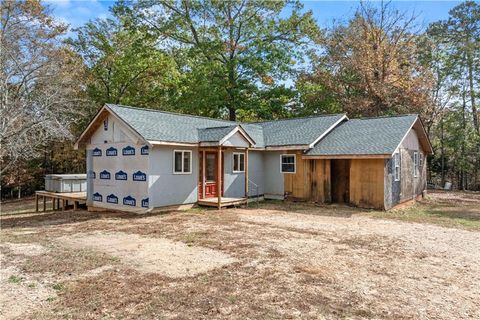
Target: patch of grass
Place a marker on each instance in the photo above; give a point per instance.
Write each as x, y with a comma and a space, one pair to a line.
58, 286
422, 213
15, 279
50, 299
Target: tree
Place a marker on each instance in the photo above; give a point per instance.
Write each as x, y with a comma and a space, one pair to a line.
233, 51
40, 91
124, 64
455, 57
461, 34
369, 66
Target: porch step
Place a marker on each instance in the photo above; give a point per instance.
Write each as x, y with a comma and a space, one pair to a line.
224, 202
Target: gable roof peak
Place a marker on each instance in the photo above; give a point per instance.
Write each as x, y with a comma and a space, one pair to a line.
169, 112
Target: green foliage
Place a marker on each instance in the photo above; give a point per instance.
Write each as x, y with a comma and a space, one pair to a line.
232, 53
124, 64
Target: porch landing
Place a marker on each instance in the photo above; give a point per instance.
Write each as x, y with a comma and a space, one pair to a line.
224, 202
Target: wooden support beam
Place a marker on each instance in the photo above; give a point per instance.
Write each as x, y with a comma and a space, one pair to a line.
75, 205
204, 160
36, 202
53, 203
246, 173
44, 203
219, 177
63, 205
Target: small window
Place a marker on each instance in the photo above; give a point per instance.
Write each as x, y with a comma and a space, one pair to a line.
239, 162
182, 162
287, 163
421, 161
415, 164
397, 166
105, 124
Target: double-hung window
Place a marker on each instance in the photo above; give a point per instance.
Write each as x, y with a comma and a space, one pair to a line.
239, 162
182, 162
397, 166
287, 163
415, 164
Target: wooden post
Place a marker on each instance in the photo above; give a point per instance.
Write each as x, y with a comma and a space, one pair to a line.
63, 205
44, 203
219, 177
36, 202
58, 203
53, 203
203, 174
75, 204
246, 173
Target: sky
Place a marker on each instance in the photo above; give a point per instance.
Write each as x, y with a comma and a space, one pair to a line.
78, 12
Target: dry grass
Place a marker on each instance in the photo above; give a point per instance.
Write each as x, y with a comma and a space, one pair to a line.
283, 260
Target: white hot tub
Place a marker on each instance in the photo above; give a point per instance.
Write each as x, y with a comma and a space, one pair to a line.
66, 182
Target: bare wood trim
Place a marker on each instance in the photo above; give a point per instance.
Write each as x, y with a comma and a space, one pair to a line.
219, 179
63, 195
290, 147
170, 143
203, 174
246, 172
350, 156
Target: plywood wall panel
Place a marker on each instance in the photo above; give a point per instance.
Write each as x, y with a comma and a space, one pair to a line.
367, 183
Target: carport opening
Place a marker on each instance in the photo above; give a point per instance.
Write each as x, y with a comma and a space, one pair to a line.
340, 180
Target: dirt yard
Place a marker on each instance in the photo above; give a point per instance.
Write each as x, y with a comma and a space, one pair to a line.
281, 260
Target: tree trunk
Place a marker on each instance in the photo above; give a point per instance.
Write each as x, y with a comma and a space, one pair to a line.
464, 127
232, 86
472, 94
442, 152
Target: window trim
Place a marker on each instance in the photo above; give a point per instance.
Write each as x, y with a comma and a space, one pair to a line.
415, 164
233, 158
191, 161
397, 164
294, 162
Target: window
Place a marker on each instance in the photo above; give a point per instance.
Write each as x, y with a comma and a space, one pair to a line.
210, 166
287, 163
421, 161
182, 162
415, 164
239, 162
397, 166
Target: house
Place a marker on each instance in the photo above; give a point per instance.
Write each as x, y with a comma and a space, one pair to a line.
140, 159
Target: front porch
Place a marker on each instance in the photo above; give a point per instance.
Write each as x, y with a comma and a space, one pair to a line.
224, 202
223, 167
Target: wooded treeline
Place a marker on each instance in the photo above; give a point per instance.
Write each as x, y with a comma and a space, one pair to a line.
244, 60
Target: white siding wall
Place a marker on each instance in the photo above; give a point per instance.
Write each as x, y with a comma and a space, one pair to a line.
115, 137
273, 177
167, 188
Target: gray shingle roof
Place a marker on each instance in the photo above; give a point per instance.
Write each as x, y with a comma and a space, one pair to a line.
297, 131
173, 127
215, 133
365, 136
166, 126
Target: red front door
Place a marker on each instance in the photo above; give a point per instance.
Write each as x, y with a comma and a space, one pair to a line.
211, 174
208, 172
